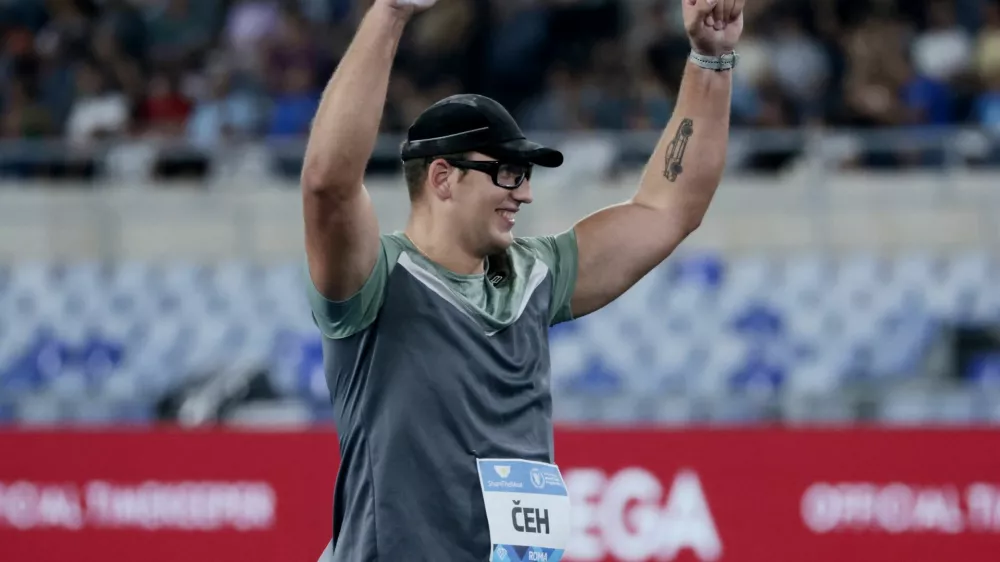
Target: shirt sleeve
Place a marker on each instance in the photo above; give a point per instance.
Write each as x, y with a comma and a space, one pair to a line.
559, 253
343, 319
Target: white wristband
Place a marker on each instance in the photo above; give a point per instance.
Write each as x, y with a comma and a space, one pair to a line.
725, 62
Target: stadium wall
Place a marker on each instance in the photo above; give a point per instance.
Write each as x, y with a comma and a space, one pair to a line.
260, 220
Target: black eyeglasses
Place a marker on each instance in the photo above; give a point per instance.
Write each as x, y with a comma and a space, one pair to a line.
505, 175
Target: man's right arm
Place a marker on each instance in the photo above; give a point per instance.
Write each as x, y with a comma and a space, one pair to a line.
342, 233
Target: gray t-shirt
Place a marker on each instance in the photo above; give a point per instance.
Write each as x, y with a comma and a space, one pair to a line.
428, 371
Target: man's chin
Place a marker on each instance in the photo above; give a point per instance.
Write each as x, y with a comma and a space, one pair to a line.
501, 241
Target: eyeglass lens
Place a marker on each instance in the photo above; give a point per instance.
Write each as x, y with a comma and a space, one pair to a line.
511, 175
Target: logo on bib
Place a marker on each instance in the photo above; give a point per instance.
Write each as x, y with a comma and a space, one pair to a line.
537, 478
502, 471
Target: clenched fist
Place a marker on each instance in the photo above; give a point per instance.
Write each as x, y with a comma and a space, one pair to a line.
713, 26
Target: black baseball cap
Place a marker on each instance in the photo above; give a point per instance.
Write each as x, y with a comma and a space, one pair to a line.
470, 122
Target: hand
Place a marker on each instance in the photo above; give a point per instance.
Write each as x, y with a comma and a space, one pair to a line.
407, 6
713, 26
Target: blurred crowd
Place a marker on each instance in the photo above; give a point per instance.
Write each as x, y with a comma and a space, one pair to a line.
213, 71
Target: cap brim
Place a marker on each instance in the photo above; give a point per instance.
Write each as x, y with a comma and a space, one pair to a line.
525, 150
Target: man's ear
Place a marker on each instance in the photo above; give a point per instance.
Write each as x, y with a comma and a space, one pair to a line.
439, 175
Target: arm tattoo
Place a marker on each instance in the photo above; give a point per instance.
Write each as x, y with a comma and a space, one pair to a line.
676, 149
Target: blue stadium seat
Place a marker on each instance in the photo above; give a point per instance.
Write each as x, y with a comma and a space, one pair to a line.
699, 330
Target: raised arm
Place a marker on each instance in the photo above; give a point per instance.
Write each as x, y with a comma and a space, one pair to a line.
619, 245
342, 234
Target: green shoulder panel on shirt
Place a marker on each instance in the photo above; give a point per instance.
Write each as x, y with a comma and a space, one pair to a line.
342, 319
559, 253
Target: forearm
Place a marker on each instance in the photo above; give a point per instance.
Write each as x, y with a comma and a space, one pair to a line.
687, 164
346, 125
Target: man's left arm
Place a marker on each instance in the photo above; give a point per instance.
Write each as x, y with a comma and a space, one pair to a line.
620, 244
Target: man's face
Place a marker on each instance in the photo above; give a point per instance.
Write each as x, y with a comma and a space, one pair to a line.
483, 212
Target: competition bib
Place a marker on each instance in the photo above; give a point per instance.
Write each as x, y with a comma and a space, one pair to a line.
527, 506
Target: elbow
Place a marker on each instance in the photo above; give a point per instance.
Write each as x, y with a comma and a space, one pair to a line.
314, 179
693, 214
691, 210
690, 222
684, 221
313, 186
332, 177
681, 217
323, 182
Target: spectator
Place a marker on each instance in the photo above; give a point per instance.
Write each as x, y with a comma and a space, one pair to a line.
755, 59
67, 29
607, 97
328, 12
764, 105
223, 114
165, 110
986, 112
929, 100
24, 115
125, 20
98, 111
181, 29
404, 102
18, 60
872, 84
650, 20
520, 44
249, 24
944, 50
653, 107
56, 82
800, 66
294, 108
82, 66
28, 15
988, 42
558, 107
987, 107
122, 69
292, 45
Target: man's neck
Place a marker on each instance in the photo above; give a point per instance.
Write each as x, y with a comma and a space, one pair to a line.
447, 254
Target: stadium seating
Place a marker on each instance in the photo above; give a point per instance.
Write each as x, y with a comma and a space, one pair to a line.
701, 338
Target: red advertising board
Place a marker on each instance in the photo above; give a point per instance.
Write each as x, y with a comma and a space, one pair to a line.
775, 495
177, 496
764, 495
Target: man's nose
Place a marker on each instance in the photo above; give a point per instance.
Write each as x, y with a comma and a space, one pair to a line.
523, 192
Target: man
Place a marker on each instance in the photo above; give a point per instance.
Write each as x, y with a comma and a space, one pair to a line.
435, 338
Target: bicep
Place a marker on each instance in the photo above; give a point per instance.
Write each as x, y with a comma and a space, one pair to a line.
617, 247
342, 241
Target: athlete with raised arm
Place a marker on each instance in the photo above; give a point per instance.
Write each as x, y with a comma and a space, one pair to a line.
435, 338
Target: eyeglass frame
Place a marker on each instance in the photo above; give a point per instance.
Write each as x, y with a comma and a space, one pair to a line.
492, 169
